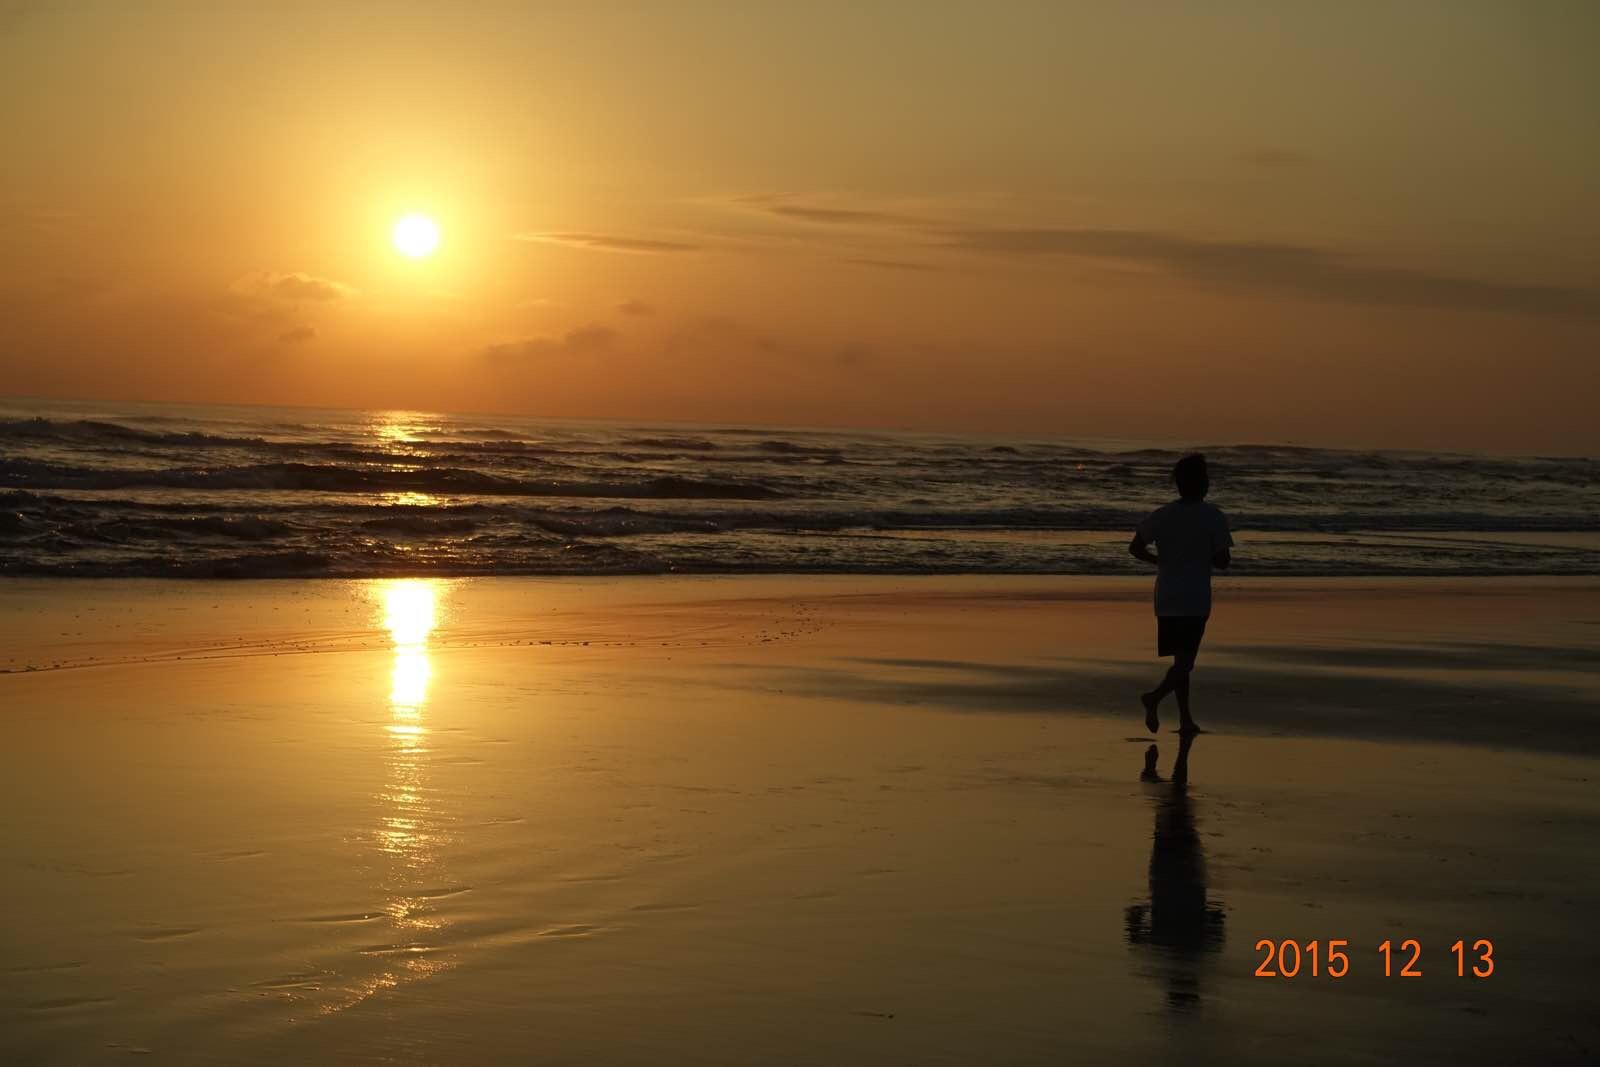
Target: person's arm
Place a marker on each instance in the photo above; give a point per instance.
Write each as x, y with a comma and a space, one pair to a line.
1223, 556
1143, 534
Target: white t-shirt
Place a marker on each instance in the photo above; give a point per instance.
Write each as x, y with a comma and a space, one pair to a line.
1186, 533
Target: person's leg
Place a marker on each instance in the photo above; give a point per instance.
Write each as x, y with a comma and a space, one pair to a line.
1150, 700
1153, 698
1184, 662
1182, 667
1169, 682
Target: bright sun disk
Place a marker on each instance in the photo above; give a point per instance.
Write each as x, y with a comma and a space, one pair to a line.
416, 236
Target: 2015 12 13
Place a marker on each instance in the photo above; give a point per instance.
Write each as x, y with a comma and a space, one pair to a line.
1331, 958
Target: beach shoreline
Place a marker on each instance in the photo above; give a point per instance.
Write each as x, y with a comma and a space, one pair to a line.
803, 819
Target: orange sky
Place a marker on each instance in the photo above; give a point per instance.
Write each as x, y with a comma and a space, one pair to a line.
1365, 223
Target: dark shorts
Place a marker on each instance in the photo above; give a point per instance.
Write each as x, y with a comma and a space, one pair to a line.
1179, 633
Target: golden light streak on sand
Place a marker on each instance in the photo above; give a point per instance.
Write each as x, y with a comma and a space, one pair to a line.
409, 831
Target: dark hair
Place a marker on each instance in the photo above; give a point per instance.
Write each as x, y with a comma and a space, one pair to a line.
1191, 475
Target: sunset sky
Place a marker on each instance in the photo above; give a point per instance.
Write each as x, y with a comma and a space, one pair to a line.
1326, 223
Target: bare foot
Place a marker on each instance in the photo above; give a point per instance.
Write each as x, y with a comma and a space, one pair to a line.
1152, 721
1189, 729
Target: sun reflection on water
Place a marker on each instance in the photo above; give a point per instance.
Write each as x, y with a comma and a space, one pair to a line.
398, 427
409, 498
408, 683
412, 827
410, 611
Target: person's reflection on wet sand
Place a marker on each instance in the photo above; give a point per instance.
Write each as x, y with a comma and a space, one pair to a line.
1178, 924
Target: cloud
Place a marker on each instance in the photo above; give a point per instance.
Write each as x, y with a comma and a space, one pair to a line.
721, 333
891, 264
1275, 157
298, 335
591, 340
784, 207
636, 307
247, 308
296, 287
609, 243
837, 216
1303, 270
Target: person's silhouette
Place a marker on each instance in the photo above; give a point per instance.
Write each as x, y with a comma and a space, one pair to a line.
1191, 537
1178, 920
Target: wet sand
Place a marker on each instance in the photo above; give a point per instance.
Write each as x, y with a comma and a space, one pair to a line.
822, 820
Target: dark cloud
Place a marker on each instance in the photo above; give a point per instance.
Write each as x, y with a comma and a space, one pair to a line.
636, 307
591, 340
1307, 271
296, 287
1275, 157
298, 335
600, 242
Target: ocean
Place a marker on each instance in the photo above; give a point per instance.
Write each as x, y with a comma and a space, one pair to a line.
103, 489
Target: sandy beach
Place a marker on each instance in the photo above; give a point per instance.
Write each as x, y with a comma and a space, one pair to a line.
780, 820
640, 535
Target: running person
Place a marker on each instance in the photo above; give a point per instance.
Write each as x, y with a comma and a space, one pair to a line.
1191, 537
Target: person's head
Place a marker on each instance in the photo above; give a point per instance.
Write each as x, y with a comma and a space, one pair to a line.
1191, 477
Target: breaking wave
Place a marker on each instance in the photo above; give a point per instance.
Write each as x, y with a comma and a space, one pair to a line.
204, 492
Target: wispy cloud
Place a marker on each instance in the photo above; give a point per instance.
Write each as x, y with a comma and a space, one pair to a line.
1304, 270
601, 242
891, 264
591, 340
636, 308
879, 234
721, 333
298, 335
785, 206
295, 287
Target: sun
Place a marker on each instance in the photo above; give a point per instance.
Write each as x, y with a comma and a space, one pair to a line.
415, 236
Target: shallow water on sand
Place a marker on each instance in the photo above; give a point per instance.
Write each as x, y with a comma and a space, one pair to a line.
462, 824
